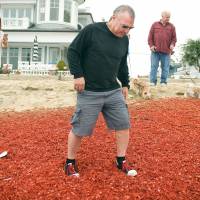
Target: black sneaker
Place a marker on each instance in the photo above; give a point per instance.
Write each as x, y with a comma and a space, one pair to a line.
71, 170
126, 169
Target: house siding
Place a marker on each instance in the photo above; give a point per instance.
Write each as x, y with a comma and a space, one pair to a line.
51, 35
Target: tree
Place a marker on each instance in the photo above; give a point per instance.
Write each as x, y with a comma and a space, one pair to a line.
191, 53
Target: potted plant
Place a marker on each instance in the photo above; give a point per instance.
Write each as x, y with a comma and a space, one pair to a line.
61, 67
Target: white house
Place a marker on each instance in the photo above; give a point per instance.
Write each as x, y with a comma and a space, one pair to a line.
54, 22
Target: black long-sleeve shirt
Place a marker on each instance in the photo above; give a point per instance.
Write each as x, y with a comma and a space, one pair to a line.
100, 57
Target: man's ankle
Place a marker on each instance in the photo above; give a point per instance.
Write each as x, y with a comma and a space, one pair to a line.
73, 161
120, 160
71, 168
124, 167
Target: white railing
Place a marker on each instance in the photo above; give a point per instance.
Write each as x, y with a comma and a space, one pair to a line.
64, 73
24, 65
31, 72
39, 69
16, 23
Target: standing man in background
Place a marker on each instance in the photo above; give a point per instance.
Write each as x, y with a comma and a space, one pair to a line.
161, 40
97, 58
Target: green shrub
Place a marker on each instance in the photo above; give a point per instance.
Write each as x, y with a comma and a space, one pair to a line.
61, 65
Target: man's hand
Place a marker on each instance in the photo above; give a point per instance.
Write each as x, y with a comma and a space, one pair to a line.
171, 47
125, 92
79, 84
153, 48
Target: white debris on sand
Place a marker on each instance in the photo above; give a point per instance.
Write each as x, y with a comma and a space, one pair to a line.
174, 88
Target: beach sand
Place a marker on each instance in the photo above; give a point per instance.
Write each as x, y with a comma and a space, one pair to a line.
20, 93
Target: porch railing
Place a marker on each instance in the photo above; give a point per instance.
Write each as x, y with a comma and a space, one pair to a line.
31, 72
16, 23
37, 69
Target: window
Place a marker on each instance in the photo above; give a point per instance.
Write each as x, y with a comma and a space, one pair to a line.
17, 13
4, 57
54, 10
40, 54
67, 10
42, 10
28, 12
13, 13
26, 54
54, 55
6, 13
21, 13
14, 57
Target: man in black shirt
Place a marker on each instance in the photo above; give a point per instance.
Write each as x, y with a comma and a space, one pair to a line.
97, 58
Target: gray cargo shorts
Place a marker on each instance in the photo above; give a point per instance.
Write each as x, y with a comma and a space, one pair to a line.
89, 104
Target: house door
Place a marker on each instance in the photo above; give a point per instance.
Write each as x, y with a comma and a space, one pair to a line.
13, 57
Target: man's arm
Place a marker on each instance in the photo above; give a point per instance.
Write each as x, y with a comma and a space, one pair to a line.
150, 38
123, 76
173, 39
75, 55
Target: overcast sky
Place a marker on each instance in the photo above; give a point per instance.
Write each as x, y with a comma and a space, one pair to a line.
185, 16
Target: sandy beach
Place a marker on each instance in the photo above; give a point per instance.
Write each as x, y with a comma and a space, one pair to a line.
20, 93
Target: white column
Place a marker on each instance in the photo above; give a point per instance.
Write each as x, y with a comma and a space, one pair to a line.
74, 14
47, 11
0, 55
1, 37
61, 11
